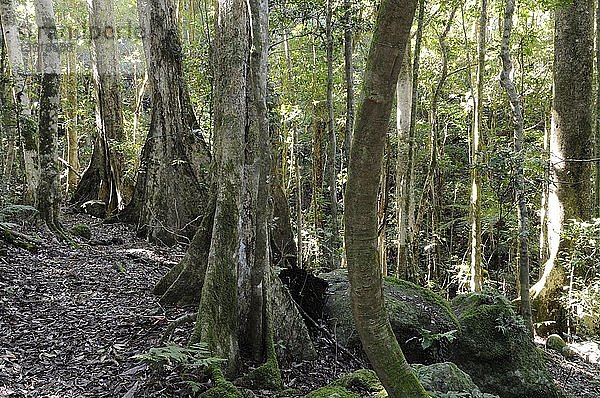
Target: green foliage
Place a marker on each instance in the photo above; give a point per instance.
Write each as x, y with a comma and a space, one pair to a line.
196, 356
582, 264
509, 323
428, 339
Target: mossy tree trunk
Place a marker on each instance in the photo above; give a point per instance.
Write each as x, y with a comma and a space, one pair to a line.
26, 123
570, 146
171, 187
102, 178
227, 267
388, 46
49, 64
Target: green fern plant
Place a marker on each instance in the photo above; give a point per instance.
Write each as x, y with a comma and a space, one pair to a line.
194, 356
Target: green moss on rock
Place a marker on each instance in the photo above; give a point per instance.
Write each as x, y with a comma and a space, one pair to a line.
496, 351
415, 313
82, 230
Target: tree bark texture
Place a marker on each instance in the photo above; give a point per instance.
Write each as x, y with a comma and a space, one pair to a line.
102, 178
171, 186
570, 145
26, 123
49, 64
384, 61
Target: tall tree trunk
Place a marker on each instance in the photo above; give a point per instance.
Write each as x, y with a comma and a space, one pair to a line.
70, 92
596, 210
349, 75
333, 257
382, 208
570, 146
26, 123
476, 158
409, 205
390, 37
506, 80
430, 196
171, 188
49, 64
404, 165
219, 319
102, 178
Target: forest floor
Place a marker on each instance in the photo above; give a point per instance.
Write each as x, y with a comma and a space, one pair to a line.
73, 317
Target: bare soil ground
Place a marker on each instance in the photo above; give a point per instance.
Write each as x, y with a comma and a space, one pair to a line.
72, 318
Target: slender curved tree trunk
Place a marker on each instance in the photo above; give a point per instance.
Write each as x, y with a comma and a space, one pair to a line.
388, 46
26, 123
171, 187
49, 64
102, 178
476, 281
506, 79
570, 147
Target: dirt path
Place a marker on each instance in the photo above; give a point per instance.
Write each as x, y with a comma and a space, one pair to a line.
71, 318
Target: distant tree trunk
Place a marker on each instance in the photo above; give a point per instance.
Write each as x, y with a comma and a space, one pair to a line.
384, 61
404, 166
349, 75
102, 178
49, 64
70, 92
171, 188
506, 80
409, 205
26, 123
476, 158
596, 209
382, 208
430, 196
333, 242
570, 147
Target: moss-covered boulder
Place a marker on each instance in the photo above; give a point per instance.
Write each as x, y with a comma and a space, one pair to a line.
446, 379
423, 322
362, 383
496, 351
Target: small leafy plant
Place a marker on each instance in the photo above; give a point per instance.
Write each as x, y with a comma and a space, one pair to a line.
196, 356
428, 339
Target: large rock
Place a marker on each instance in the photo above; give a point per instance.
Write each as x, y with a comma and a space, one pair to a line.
496, 351
479, 332
446, 379
422, 321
